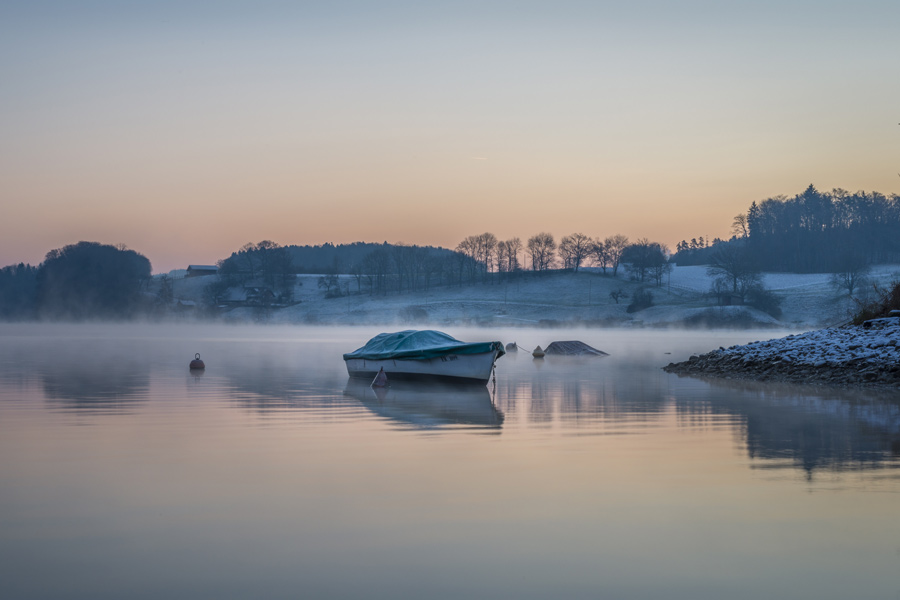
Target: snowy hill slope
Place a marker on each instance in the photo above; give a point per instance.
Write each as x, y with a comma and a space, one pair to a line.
558, 298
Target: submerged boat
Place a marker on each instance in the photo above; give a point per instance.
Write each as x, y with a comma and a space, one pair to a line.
425, 354
573, 348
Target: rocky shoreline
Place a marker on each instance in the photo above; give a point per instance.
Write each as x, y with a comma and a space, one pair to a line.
851, 356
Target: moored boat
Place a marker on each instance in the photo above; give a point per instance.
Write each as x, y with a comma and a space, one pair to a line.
424, 354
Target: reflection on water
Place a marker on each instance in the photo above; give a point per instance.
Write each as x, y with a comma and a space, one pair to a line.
78, 376
790, 426
426, 405
95, 383
272, 474
778, 425
781, 425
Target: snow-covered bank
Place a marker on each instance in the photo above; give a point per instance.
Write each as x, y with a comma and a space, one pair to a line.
867, 355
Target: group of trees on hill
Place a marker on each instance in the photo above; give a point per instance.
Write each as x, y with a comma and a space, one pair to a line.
397, 268
340, 258
647, 260
86, 280
541, 253
18, 292
265, 262
811, 232
814, 231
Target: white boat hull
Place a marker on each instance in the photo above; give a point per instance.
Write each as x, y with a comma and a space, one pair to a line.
473, 367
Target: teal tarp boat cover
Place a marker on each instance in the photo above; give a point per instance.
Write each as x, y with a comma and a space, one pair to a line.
419, 345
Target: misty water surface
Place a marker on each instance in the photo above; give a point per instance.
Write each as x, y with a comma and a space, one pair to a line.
122, 475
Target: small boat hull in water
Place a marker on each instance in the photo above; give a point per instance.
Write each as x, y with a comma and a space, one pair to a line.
424, 355
470, 367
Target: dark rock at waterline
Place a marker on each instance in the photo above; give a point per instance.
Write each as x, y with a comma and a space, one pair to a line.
573, 348
867, 356
854, 372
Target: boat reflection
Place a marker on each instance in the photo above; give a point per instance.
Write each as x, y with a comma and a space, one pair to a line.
428, 405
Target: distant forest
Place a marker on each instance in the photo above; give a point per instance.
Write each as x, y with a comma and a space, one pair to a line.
812, 232
79, 281
330, 258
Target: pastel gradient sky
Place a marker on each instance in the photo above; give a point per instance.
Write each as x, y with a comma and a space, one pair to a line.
186, 129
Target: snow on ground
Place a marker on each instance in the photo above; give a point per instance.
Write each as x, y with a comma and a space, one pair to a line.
832, 346
695, 278
867, 355
808, 300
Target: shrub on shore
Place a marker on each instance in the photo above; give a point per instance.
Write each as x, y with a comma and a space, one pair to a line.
885, 300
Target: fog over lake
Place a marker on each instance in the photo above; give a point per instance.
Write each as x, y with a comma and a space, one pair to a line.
273, 475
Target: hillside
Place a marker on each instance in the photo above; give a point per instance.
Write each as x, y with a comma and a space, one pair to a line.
556, 298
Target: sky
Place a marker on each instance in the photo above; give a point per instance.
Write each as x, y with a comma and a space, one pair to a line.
186, 129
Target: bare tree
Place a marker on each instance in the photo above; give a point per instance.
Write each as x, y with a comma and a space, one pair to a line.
501, 253
740, 227
376, 266
574, 249
600, 255
514, 247
660, 265
468, 248
487, 243
853, 272
733, 264
358, 272
615, 245
406, 263
541, 248
618, 294
479, 248
331, 284
647, 258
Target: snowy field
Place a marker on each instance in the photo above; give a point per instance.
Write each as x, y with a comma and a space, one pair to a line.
696, 279
808, 301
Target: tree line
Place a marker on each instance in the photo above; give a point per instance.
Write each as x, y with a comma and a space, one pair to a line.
86, 280
541, 253
379, 269
92, 280
811, 232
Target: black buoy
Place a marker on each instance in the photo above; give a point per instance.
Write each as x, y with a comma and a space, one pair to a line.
197, 364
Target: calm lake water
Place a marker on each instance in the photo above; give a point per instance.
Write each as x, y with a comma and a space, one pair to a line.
271, 475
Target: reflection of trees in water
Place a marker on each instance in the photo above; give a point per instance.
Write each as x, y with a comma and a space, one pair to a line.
274, 382
782, 425
95, 381
113, 390
577, 391
81, 374
810, 428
